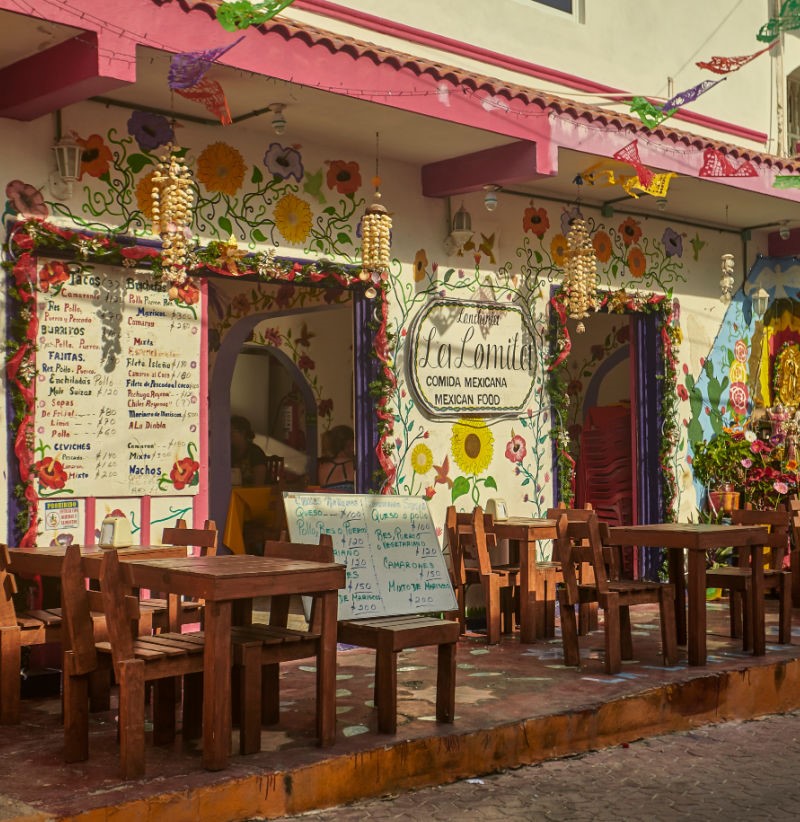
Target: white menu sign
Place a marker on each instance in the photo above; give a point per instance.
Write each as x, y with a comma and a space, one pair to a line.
117, 390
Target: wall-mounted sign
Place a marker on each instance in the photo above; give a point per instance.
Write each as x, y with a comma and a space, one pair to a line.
472, 358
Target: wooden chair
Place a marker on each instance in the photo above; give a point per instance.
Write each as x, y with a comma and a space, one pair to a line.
259, 649
614, 596
136, 660
174, 611
587, 612
470, 541
737, 578
18, 631
794, 556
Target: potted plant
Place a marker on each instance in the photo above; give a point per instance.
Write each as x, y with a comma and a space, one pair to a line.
721, 465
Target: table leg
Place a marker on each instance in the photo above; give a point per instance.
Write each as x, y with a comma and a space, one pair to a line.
326, 671
696, 650
757, 605
677, 577
527, 598
217, 686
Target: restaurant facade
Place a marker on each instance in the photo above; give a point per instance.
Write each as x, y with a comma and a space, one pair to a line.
467, 371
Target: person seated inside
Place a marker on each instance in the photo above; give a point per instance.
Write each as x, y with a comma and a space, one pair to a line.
336, 469
248, 461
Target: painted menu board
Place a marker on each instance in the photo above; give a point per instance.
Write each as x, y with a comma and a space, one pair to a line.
389, 545
117, 389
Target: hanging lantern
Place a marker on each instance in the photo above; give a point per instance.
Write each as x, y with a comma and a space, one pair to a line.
580, 274
172, 197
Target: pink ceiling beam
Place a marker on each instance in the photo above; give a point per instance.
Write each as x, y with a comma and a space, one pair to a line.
67, 73
503, 166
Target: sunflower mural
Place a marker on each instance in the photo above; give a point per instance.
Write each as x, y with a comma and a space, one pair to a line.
472, 446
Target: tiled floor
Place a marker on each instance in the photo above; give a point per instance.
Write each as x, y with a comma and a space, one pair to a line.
502, 692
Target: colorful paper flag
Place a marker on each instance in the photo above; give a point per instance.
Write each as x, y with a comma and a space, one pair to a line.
650, 114
725, 65
691, 94
716, 164
189, 68
630, 154
239, 14
657, 187
788, 19
786, 181
209, 92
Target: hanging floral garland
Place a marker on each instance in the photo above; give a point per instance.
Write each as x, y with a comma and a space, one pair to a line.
619, 302
28, 239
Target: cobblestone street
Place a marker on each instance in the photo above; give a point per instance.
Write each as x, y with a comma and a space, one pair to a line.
737, 770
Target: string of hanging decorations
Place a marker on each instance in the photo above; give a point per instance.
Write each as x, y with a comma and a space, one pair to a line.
376, 237
580, 274
173, 196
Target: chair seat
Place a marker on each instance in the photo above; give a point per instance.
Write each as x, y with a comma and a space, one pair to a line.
151, 648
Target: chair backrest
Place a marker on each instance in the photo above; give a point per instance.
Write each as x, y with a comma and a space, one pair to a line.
8, 587
459, 529
585, 540
306, 551
274, 470
482, 540
203, 538
777, 540
78, 603
120, 607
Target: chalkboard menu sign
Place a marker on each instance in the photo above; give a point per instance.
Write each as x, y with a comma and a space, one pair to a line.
389, 545
117, 391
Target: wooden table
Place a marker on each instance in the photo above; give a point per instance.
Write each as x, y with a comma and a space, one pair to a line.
697, 539
525, 531
223, 580
47, 561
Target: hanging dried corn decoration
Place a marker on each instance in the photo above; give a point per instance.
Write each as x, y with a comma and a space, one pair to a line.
172, 197
376, 236
580, 274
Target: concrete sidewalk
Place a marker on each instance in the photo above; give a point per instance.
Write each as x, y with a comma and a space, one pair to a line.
734, 771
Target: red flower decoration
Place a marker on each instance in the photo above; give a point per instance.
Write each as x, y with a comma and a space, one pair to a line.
536, 221
139, 252
682, 392
189, 293
183, 472
630, 231
305, 363
50, 473
738, 395
740, 350
516, 448
325, 408
344, 177
52, 274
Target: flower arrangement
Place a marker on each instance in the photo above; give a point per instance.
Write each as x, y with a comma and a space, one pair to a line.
759, 469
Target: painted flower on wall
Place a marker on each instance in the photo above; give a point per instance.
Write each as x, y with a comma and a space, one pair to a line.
144, 195
472, 444
150, 130
283, 162
516, 448
50, 473
293, 218
184, 472
305, 363
602, 246
740, 350
630, 231
558, 250
188, 293
272, 336
421, 458
420, 265
637, 262
325, 407
221, 167
343, 177
673, 243
536, 221
52, 275
95, 157
737, 372
738, 394
26, 199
